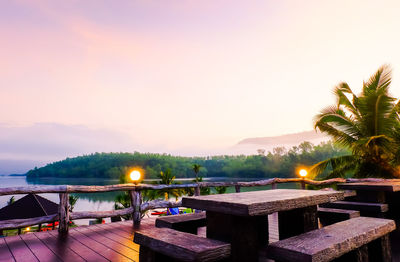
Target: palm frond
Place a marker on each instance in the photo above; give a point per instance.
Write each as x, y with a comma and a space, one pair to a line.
338, 136
342, 100
340, 165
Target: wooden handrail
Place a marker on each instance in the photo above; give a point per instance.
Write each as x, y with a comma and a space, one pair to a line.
64, 216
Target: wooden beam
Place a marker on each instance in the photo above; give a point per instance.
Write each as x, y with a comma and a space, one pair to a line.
130, 186
159, 204
100, 214
15, 223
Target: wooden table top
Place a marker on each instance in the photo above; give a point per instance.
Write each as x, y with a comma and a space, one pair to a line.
261, 202
372, 186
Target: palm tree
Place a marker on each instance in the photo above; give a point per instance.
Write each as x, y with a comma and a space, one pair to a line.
123, 201
167, 178
196, 169
367, 124
72, 201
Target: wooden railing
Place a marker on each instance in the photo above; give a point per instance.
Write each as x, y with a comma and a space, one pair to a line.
137, 207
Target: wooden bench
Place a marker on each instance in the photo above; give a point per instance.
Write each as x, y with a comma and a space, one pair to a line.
366, 209
165, 244
186, 223
329, 216
356, 239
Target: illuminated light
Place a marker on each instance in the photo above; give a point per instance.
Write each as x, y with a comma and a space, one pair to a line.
135, 176
28, 228
303, 173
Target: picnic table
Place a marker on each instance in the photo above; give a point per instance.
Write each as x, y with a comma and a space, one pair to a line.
387, 192
241, 219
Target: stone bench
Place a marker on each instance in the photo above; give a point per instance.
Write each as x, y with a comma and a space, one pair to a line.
329, 216
356, 239
186, 223
165, 244
366, 209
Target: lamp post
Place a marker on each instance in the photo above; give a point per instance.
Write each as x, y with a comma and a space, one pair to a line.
136, 197
303, 173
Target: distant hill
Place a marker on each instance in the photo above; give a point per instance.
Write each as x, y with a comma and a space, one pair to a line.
249, 146
288, 139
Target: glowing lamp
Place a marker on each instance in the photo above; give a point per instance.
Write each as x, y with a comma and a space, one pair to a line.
28, 229
303, 173
135, 176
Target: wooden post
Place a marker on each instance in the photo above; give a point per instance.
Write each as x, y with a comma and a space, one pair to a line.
63, 214
237, 189
136, 201
19, 231
197, 191
40, 227
303, 184
274, 186
53, 226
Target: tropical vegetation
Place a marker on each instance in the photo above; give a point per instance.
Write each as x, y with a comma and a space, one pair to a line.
368, 125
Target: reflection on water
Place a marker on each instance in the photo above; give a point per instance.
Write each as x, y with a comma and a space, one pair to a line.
100, 201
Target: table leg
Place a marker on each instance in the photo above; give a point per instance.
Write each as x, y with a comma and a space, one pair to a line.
393, 200
247, 234
297, 221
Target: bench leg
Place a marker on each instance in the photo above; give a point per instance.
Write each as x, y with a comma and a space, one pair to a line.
148, 255
380, 249
297, 221
246, 234
357, 255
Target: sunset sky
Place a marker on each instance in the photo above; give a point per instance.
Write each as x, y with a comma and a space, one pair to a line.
186, 76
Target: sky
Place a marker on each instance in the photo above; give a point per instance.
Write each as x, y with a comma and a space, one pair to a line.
181, 76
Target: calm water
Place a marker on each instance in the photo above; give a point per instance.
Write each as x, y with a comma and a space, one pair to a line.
97, 201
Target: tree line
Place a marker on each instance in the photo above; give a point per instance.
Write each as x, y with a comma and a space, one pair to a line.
281, 162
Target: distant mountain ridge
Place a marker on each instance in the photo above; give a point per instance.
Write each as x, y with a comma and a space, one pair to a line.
295, 138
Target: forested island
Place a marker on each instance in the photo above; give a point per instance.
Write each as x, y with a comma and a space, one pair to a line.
281, 162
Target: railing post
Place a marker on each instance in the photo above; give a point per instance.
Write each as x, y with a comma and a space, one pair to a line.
303, 184
237, 188
274, 186
63, 214
197, 190
136, 201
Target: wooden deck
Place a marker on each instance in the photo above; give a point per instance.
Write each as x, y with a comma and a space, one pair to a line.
104, 242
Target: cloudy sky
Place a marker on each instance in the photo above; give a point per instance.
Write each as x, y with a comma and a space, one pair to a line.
181, 76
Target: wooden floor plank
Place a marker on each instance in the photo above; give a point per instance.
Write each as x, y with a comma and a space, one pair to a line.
124, 234
83, 251
19, 249
117, 229
104, 250
116, 246
58, 247
41, 251
113, 236
5, 253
